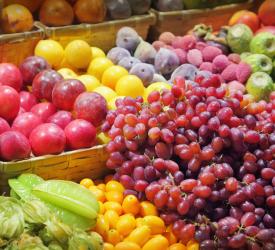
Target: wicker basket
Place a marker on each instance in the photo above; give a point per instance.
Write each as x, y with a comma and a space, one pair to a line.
180, 22
14, 48
101, 35
73, 165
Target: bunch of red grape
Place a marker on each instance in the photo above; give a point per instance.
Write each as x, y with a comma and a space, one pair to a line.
203, 158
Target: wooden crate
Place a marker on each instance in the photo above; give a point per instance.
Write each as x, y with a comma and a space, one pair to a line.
180, 22
101, 35
14, 48
73, 165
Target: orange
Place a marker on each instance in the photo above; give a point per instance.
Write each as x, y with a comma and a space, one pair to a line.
155, 223
127, 246
31, 5
131, 205
106, 92
140, 235
87, 182
111, 205
16, 18
51, 50
78, 53
98, 66
113, 237
111, 76
102, 226
111, 216
114, 186
108, 246
126, 224
99, 194
129, 85
56, 13
147, 208
101, 186
177, 246
158, 242
108, 178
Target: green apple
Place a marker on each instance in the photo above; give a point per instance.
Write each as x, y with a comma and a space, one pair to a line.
263, 43
259, 63
245, 54
260, 85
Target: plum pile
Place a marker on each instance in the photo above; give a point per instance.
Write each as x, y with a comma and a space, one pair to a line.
204, 157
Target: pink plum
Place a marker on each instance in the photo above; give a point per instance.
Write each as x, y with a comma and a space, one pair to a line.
27, 100
44, 110
11, 76
61, 118
4, 126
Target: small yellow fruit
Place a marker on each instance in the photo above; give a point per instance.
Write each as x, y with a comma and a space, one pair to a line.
157, 86
155, 223
51, 50
78, 53
130, 85
108, 246
99, 194
158, 242
97, 52
114, 186
102, 226
147, 208
67, 73
111, 205
98, 66
101, 208
131, 205
177, 246
89, 81
140, 235
114, 196
192, 245
127, 246
106, 92
112, 102
170, 237
140, 222
111, 76
126, 224
87, 182
113, 236
101, 186
111, 216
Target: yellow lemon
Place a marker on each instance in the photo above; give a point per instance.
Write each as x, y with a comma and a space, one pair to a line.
111, 76
89, 81
102, 138
51, 50
130, 85
112, 103
106, 92
157, 86
98, 66
97, 52
78, 53
67, 73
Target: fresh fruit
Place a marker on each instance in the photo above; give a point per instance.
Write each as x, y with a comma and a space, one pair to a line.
128, 62
14, 146
126, 246
266, 12
4, 126
99, 194
113, 217
67, 73
16, 18
98, 66
31, 5
44, 82
131, 205
118, 9
51, 50
129, 85
65, 93
114, 186
86, 182
177, 246
144, 71
56, 13
80, 134
185, 71
90, 82
117, 53
157, 86
47, 138
90, 11
44, 110
9, 103
155, 223
246, 17
270, 29
145, 52
112, 102
263, 43
115, 196
259, 62
158, 242
31, 66
78, 53
140, 235
239, 37
25, 123
147, 208
11, 76
91, 107
112, 75
126, 224
111, 205
97, 52
127, 38
260, 85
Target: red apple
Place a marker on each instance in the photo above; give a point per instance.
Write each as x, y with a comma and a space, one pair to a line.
4, 126
270, 29
80, 134
11, 76
44, 110
27, 100
246, 17
14, 146
31, 66
65, 92
61, 118
26, 122
43, 83
91, 107
46, 139
9, 103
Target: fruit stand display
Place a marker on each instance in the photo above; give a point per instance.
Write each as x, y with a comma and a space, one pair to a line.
162, 145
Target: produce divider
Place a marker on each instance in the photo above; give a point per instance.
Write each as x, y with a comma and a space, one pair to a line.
74, 165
